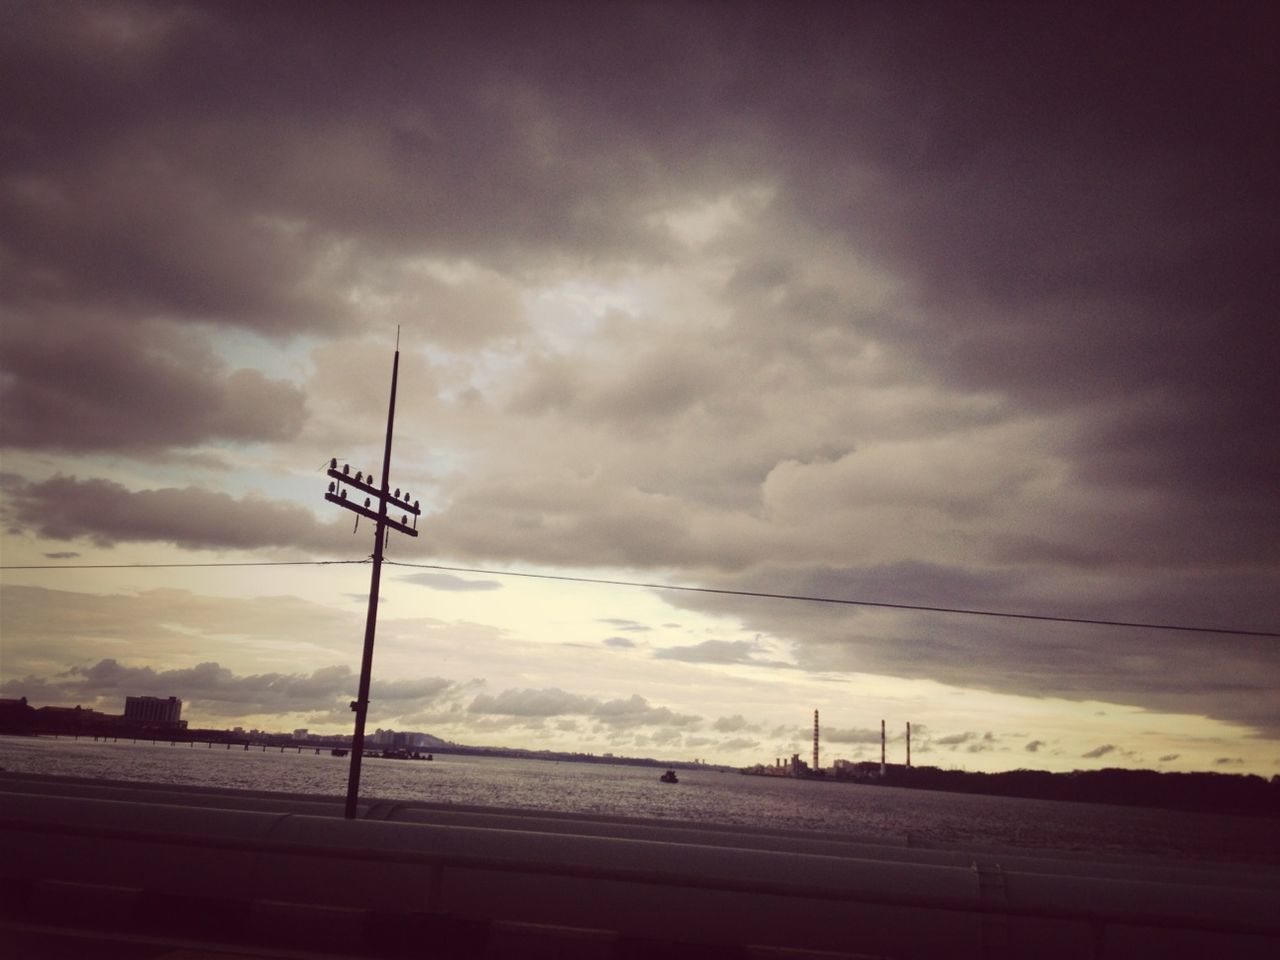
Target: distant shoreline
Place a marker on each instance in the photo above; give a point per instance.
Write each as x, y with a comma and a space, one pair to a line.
1219, 793
273, 741
1225, 793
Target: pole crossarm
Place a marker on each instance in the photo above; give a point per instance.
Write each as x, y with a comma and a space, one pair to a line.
373, 491
372, 515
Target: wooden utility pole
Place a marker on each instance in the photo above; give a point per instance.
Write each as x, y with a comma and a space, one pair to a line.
337, 493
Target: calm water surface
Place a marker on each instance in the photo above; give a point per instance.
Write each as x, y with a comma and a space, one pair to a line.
702, 796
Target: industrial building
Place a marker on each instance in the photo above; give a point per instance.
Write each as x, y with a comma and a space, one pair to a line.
154, 711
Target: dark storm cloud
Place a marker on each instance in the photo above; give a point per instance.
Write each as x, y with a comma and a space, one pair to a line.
463, 132
253, 165
65, 508
78, 383
1071, 192
1090, 176
1076, 192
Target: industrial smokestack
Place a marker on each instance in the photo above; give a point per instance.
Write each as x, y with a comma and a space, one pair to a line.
908, 743
882, 764
815, 741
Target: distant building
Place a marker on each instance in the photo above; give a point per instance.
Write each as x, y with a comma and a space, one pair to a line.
156, 711
16, 716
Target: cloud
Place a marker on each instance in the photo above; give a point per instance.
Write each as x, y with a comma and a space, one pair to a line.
731, 724
79, 384
62, 555
107, 513
1169, 757
1034, 746
850, 735
447, 581
666, 738
1101, 751
221, 234
630, 626
636, 711
548, 702
621, 643
617, 714
718, 651
211, 691
1223, 677
45, 630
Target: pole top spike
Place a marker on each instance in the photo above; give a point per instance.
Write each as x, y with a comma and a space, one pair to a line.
397, 338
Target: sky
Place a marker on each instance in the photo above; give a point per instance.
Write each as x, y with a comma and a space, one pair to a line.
939, 304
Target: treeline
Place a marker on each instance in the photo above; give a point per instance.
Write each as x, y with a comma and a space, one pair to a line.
1210, 792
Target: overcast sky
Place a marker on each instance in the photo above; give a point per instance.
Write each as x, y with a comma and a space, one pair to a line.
956, 304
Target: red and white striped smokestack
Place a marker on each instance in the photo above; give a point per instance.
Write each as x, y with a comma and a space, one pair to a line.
815, 741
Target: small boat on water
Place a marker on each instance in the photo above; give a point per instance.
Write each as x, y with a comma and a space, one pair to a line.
669, 777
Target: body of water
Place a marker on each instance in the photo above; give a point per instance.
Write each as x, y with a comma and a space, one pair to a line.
702, 796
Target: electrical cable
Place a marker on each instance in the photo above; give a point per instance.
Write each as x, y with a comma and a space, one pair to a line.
855, 603
720, 591
179, 566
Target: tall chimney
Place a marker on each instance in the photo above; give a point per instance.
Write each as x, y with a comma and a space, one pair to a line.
882, 767
815, 741
908, 743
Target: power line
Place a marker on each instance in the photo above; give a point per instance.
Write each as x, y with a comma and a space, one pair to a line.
801, 598
179, 566
847, 602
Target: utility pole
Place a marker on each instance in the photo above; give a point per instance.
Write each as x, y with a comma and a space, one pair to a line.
382, 524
